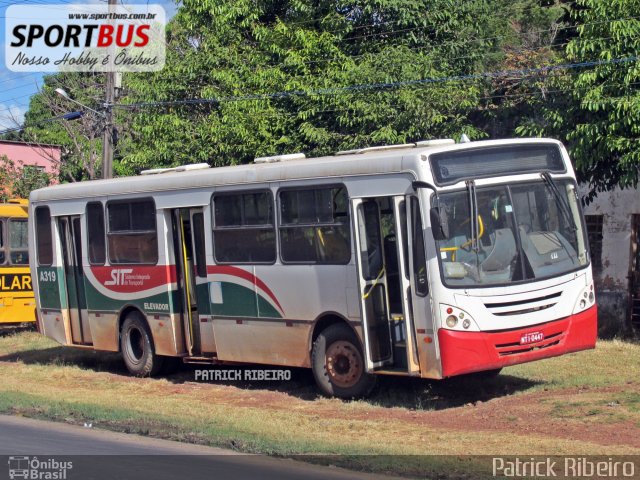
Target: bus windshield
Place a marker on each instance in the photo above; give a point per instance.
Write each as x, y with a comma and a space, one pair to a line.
526, 231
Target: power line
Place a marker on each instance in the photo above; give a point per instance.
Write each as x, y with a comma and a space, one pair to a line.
64, 116
354, 110
557, 90
382, 86
312, 113
12, 99
449, 59
13, 79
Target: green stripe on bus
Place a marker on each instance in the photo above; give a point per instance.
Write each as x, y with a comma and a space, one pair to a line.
49, 288
239, 301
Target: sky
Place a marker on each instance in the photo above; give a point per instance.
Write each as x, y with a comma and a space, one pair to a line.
16, 88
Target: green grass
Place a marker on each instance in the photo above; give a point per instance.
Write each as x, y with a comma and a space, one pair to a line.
43, 380
613, 362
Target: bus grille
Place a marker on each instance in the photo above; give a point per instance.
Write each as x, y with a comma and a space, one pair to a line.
524, 306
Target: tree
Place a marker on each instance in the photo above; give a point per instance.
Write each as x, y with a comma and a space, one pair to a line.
80, 139
597, 108
316, 77
535, 41
17, 180
245, 79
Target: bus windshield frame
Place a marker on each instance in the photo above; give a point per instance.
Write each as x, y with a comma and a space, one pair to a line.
523, 232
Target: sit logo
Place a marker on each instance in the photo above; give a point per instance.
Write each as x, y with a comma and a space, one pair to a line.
118, 276
33, 468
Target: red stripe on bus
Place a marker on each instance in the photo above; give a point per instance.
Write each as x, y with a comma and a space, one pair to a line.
134, 278
238, 272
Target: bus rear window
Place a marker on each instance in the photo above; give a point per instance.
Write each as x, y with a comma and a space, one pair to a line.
44, 240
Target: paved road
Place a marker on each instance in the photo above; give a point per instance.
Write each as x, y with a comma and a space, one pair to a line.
100, 454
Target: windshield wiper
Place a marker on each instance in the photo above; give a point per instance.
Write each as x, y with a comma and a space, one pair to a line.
560, 201
473, 213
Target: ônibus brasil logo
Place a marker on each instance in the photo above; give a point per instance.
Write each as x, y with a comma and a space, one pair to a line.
33, 468
86, 38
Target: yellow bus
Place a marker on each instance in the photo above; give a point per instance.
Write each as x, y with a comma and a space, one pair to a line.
17, 305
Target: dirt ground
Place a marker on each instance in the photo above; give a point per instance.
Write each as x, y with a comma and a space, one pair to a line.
573, 404
592, 414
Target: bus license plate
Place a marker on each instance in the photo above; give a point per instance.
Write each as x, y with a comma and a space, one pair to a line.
531, 338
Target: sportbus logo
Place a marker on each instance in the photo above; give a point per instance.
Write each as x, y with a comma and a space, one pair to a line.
85, 38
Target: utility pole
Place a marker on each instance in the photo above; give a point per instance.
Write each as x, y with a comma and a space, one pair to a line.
107, 134
110, 96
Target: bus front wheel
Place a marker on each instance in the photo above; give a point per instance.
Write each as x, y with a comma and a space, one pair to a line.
338, 364
137, 347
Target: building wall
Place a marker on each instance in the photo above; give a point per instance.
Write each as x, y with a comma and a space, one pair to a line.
28, 154
612, 278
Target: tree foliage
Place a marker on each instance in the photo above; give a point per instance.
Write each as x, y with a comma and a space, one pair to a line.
596, 109
17, 180
319, 55
80, 139
327, 75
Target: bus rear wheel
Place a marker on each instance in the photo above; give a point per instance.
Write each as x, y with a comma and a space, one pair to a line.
338, 364
137, 347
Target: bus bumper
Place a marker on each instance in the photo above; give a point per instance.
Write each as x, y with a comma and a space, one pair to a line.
467, 352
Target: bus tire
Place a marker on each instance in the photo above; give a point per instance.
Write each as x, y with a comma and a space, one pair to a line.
338, 364
137, 347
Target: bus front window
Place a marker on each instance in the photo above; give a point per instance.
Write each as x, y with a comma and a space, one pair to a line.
522, 232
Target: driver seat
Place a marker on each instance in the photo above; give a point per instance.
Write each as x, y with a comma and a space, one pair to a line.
502, 253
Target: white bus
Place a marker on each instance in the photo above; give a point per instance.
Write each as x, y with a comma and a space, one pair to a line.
431, 259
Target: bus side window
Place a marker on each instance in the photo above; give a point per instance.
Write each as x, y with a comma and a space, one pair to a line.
243, 230
314, 226
2, 254
44, 239
18, 246
95, 230
198, 240
132, 232
419, 257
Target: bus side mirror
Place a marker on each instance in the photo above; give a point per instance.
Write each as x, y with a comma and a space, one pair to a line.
439, 223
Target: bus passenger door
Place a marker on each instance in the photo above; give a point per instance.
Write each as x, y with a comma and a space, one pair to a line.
186, 275
406, 250
373, 284
71, 241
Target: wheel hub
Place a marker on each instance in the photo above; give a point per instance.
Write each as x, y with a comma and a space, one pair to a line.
344, 364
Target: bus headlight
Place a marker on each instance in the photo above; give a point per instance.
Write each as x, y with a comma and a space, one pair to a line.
586, 299
457, 319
